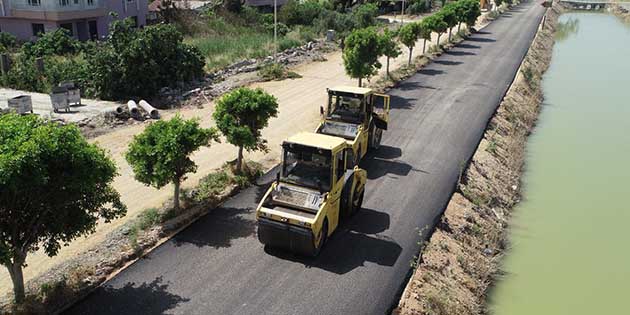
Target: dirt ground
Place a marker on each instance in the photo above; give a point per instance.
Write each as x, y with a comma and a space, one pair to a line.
460, 260
299, 101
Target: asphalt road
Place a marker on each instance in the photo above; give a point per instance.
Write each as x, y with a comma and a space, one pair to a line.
217, 266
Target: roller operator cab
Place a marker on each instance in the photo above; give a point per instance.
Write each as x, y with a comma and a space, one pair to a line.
313, 192
358, 115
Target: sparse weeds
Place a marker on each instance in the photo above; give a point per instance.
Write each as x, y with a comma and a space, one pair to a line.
528, 74
276, 71
492, 147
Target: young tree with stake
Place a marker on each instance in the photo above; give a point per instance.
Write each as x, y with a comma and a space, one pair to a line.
472, 13
160, 155
449, 16
408, 35
361, 52
437, 24
241, 115
425, 34
389, 46
54, 187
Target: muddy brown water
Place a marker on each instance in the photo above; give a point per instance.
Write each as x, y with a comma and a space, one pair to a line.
570, 252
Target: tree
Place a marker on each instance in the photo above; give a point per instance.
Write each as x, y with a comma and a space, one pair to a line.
54, 187
425, 33
389, 46
161, 153
449, 16
365, 15
241, 115
460, 8
472, 13
437, 24
361, 52
408, 35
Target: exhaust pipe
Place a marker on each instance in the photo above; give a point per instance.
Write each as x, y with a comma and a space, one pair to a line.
133, 108
149, 109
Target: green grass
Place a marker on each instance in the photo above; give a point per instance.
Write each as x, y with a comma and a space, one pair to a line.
223, 50
223, 43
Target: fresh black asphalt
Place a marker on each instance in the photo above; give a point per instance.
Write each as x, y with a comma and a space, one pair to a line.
217, 266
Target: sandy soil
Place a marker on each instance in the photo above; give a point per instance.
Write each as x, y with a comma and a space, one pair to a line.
299, 101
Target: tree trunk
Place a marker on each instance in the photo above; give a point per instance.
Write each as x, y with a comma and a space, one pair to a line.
459, 25
387, 67
438, 41
424, 45
17, 277
449, 34
410, 51
239, 160
176, 183
360, 82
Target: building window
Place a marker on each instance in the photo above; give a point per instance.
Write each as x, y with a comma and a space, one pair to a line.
35, 3
76, 1
90, 2
69, 27
38, 29
64, 2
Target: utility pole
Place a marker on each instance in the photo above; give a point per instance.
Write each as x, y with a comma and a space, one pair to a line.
402, 13
275, 30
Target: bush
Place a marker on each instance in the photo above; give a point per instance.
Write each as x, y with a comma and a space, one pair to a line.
333, 20
300, 13
140, 62
419, 6
7, 40
286, 43
282, 29
212, 185
365, 15
58, 42
24, 75
251, 15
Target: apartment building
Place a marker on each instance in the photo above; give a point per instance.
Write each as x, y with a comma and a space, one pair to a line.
85, 19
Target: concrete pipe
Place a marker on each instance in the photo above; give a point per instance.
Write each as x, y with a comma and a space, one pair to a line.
133, 108
149, 109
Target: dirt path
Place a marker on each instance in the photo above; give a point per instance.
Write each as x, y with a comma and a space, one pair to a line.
299, 101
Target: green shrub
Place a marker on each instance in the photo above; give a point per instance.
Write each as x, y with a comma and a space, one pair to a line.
365, 15
295, 12
140, 62
148, 218
286, 43
212, 185
58, 42
419, 6
251, 15
333, 20
282, 29
7, 40
24, 75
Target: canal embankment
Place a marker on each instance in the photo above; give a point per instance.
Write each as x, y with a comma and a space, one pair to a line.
458, 264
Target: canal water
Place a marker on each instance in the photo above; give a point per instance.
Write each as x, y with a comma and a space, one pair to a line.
570, 237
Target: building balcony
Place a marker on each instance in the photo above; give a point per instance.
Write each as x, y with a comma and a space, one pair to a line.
57, 10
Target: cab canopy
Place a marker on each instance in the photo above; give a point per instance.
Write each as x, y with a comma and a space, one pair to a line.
315, 140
